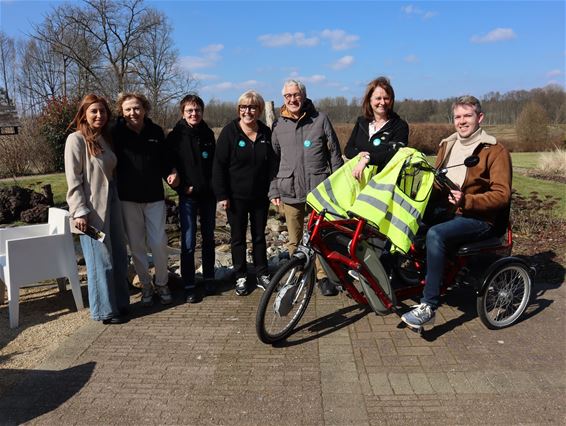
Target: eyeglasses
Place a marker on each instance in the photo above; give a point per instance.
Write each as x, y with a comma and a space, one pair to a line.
193, 111
251, 108
288, 96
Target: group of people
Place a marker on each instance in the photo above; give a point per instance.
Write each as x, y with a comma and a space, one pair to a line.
115, 172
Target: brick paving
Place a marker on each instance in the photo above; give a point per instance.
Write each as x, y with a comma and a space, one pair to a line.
203, 364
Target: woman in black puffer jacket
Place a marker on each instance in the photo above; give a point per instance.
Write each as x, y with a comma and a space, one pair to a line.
375, 133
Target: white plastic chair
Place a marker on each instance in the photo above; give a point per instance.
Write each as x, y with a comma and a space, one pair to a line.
33, 253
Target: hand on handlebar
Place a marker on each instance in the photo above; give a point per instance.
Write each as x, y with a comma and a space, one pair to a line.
456, 197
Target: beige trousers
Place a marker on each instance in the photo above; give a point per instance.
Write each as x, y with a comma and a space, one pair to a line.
295, 220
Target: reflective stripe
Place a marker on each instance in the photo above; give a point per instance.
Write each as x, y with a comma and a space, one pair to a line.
324, 203
394, 220
381, 186
400, 225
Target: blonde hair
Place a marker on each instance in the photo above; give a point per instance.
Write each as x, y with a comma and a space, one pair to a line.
253, 98
124, 96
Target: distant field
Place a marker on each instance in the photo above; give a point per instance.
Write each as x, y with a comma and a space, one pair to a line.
521, 163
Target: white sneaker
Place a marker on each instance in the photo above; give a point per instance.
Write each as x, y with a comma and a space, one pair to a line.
263, 281
241, 286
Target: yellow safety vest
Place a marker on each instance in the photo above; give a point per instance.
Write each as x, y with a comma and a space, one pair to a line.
338, 192
392, 200
395, 199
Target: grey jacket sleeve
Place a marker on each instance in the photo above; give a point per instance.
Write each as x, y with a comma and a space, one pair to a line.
333, 144
75, 154
274, 186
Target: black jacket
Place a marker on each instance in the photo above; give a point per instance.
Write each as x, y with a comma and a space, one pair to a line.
142, 162
379, 147
243, 169
191, 150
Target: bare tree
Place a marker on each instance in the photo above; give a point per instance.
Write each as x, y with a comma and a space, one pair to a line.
157, 69
102, 37
7, 65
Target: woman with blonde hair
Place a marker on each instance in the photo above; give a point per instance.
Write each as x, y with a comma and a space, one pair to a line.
93, 202
244, 165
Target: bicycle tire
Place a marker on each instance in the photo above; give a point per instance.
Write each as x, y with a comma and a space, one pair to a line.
505, 296
281, 307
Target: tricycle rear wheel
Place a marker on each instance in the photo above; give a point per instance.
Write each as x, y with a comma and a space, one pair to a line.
505, 296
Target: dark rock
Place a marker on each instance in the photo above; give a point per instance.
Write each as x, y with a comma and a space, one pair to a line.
37, 199
37, 214
13, 200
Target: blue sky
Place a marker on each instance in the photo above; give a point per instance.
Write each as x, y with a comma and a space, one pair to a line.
429, 50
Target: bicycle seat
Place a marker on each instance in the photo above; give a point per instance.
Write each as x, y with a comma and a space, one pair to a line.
477, 246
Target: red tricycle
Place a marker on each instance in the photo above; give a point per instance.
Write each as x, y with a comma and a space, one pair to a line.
357, 259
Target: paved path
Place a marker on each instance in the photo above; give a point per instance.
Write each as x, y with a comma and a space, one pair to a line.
203, 364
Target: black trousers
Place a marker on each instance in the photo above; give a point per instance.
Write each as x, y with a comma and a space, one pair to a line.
238, 214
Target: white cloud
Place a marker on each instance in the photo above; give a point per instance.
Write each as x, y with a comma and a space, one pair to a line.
413, 10
202, 76
229, 85
498, 34
210, 56
343, 62
339, 39
287, 39
554, 73
315, 78
411, 59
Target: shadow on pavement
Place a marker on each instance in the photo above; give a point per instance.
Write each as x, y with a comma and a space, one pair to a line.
41, 391
327, 324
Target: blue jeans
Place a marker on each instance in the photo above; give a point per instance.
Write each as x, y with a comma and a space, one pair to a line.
189, 207
441, 241
106, 265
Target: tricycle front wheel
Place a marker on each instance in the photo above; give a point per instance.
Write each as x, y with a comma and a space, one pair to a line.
284, 301
505, 296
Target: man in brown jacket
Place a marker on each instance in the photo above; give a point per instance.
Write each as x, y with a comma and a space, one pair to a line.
485, 191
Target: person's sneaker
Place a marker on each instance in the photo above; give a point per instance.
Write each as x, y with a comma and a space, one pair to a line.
421, 315
327, 288
147, 295
263, 282
241, 286
192, 295
164, 294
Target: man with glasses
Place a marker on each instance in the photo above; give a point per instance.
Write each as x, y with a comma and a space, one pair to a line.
308, 152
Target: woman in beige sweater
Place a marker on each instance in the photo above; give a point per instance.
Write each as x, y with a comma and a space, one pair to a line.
93, 202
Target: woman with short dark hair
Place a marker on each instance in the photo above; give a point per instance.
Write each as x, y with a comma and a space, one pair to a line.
191, 147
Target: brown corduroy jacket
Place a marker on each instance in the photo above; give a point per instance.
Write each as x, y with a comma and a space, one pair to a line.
487, 186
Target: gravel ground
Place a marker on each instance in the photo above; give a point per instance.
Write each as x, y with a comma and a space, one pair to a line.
47, 317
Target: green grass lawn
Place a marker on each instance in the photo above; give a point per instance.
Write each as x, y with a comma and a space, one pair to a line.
524, 185
58, 186
521, 183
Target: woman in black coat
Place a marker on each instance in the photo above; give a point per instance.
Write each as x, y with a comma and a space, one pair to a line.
375, 133
191, 149
243, 168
